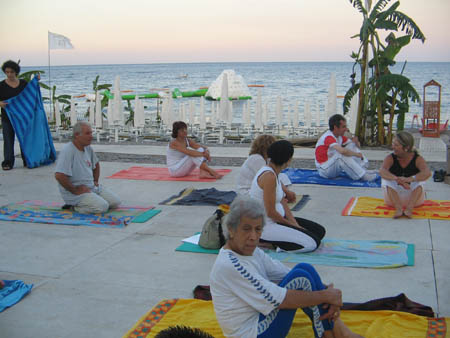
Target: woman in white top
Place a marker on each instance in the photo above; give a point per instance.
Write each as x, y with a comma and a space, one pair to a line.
256, 160
283, 230
184, 154
256, 296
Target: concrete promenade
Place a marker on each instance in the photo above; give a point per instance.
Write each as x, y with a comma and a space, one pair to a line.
97, 282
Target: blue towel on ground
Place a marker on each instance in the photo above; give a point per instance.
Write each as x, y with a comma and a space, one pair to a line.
13, 292
310, 176
27, 116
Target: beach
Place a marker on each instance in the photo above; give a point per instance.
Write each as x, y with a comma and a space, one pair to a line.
98, 282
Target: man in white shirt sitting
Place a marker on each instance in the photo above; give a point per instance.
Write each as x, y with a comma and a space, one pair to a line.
78, 172
336, 153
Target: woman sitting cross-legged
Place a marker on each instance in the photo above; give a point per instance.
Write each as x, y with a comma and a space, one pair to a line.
256, 296
184, 155
403, 174
255, 161
283, 230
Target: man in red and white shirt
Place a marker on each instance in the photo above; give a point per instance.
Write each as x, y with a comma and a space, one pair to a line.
336, 153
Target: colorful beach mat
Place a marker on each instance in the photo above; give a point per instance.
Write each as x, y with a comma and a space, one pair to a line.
336, 252
161, 174
310, 176
370, 324
13, 292
375, 207
51, 213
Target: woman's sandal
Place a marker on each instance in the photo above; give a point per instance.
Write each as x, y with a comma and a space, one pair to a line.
6, 167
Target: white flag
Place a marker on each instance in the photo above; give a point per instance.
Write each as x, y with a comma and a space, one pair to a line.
58, 41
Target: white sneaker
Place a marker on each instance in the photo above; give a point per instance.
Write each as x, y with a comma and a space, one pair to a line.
369, 177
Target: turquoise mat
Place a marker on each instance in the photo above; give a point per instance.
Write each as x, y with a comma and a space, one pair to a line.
336, 252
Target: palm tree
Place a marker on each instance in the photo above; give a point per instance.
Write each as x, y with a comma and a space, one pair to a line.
379, 94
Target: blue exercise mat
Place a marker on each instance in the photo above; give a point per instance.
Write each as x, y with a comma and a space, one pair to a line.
27, 116
13, 292
310, 176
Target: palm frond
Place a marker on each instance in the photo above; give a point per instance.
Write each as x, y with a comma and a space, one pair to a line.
359, 6
378, 8
348, 97
406, 24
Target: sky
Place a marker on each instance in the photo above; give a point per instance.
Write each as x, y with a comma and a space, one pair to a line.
149, 31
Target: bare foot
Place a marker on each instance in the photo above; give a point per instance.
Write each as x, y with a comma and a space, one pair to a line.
218, 176
2, 284
398, 213
408, 213
205, 174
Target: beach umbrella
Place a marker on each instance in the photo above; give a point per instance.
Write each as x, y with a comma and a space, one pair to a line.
295, 119
317, 113
73, 112
202, 113
117, 103
57, 114
258, 111
98, 111
170, 112
109, 114
91, 113
246, 114
307, 114
353, 113
191, 112
279, 112
224, 107
164, 104
139, 118
182, 112
265, 114
332, 98
213, 118
230, 113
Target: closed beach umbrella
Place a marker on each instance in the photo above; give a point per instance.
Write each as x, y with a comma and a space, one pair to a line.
57, 114
202, 113
139, 118
109, 114
332, 98
91, 113
98, 111
182, 112
279, 112
246, 114
117, 103
295, 118
191, 112
307, 114
353, 113
230, 113
317, 114
213, 114
224, 107
258, 111
265, 114
170, 112
73, 112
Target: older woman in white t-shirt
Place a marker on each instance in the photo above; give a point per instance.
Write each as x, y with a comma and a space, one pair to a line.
256, 296
255, 161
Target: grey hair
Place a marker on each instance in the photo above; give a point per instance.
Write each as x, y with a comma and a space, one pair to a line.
242, 206
78, 128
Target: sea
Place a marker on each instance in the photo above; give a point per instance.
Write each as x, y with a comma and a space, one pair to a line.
294, 82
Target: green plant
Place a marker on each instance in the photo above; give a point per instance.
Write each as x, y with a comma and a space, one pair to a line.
381, 92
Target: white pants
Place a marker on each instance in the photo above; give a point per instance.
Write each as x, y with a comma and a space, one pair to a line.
186, 165
353, 166
403, 194
274, 232
98, 201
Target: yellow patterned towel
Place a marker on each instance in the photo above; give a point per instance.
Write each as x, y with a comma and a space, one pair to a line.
370, 324
375, 207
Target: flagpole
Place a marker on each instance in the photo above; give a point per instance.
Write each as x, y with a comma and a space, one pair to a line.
49, 78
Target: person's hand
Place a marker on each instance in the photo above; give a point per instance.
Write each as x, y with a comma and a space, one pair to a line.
3, 104
404, 182
334, 295
332, 314
290, 196
96, 183
81, 189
